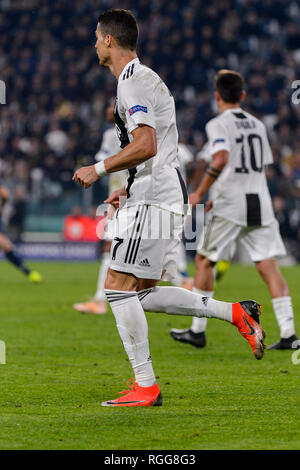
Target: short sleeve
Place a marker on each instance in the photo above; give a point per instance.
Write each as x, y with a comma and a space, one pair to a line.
138, 103
217, 135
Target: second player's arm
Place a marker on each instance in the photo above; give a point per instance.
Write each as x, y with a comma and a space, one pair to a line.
142, 147
212, 173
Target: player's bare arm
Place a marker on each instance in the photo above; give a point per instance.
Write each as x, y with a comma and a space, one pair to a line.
212, 173
198, 173
142, 147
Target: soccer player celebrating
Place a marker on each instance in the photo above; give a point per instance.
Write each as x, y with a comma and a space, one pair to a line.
146, 124
241, 209
110, 146
8, 249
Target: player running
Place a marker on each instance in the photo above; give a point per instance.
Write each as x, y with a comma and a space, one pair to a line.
146, 124
196, 334
8, 249
110, 146
242, 207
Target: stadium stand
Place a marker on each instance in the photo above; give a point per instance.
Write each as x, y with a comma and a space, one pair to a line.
56, 91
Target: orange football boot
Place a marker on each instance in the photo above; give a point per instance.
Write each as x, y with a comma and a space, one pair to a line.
245, 316
93, 307
137, 396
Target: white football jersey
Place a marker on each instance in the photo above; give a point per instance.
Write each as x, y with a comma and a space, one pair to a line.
111, 146
185, 156
205, 155
240, 193
143, 98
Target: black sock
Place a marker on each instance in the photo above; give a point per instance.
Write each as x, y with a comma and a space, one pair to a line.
17, 261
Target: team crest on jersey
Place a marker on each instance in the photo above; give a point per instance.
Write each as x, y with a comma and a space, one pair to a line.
137, 108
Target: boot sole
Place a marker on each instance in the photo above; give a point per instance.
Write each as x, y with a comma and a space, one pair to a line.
260, 348
157, 402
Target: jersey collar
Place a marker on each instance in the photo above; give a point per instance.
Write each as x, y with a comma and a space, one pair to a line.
136, 60
233, 110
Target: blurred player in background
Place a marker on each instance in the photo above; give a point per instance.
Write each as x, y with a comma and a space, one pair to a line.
242, 208
7, 247
195, 335
110, 146
146, 122
181, 278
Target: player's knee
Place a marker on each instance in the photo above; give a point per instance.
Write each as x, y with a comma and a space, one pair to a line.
203, 263
111, 281
120, 281
268, 269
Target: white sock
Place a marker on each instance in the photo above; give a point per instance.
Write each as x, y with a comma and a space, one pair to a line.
284, 314
105, 262
133, 329
199, 324
178, 301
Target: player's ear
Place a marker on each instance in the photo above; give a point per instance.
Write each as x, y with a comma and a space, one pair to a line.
108, 40
243, 95
217, 95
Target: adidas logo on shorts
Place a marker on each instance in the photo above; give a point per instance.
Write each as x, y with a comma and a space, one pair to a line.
144, 262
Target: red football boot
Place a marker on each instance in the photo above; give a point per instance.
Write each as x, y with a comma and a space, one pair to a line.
245, 316
137, 396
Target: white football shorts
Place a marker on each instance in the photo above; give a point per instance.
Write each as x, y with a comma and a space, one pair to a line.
261, 243
109, 230
106, 226
146, 242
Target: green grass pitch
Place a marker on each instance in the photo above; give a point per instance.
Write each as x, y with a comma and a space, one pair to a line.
61, 365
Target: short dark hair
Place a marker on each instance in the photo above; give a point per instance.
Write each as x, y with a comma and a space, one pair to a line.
230, 85
122, 25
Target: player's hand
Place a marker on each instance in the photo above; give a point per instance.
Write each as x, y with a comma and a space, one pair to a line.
86, 176
114, 198
208, 206
194, 199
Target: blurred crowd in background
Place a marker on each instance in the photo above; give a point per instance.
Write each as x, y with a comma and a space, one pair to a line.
57, 92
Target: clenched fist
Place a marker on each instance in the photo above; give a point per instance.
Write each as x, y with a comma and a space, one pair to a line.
86, 176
